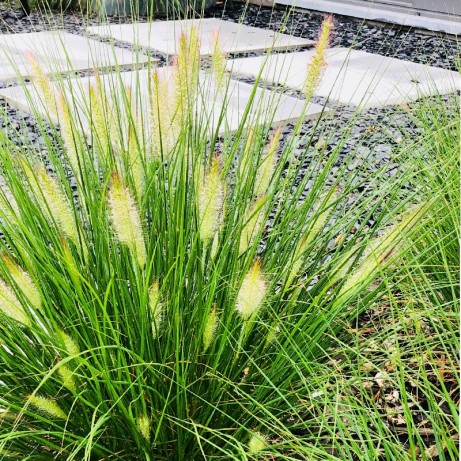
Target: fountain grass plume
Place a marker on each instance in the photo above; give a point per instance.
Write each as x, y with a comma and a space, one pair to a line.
210, 196
126, 220
11, 306
24, 282
252, 292
47, 406
317, 62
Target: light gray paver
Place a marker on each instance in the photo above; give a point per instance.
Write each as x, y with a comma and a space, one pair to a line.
285, 109
58, 51
353, 77
163, 36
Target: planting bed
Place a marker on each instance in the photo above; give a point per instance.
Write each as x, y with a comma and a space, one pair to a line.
374, 136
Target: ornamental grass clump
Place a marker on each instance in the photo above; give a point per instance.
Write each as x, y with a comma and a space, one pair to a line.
152, 320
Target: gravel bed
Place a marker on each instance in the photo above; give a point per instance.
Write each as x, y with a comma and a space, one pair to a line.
378, 38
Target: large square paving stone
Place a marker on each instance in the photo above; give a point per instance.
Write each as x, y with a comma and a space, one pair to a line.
353, 77
163, 36
59, 52
269, 107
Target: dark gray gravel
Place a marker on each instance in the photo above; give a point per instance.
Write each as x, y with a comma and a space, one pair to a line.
379, 38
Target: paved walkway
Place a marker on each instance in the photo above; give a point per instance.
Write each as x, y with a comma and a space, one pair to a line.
350, 77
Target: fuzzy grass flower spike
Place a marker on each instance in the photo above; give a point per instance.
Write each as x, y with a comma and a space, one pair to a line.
267, 167
167, 343
24, 281
53, 202
11, 306
317, 63
69, 134
253, 224
155, 307
126, 220
47, 406
71, 347
43, 83
218, 61
9, 209
257, 443
211, 325
252, 293
210, 196
66, 376
144, 426
186, 70
381, 250
164, 119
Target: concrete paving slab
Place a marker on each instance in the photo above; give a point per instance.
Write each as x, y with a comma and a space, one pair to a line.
211, 104
163, 36
353, 77
58, 51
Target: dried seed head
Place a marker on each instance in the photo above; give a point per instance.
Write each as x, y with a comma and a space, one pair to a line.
47, 406
126, 220
209, 201
210, 328
24, 282
252, 292
317, 63
257, 443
